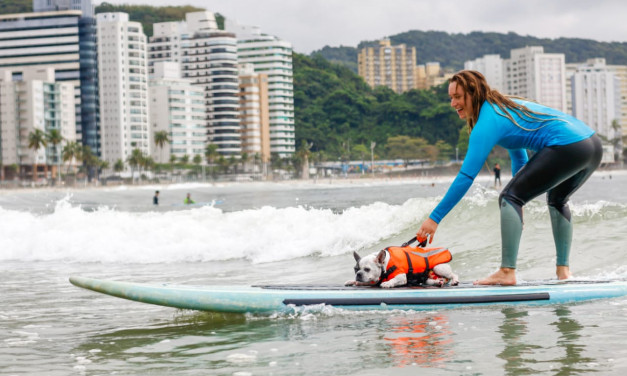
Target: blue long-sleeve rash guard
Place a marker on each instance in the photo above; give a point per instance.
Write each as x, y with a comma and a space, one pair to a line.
494, 128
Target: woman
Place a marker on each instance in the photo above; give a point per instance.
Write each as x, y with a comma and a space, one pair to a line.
566, 150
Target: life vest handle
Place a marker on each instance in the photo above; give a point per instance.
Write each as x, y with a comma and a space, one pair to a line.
421, 244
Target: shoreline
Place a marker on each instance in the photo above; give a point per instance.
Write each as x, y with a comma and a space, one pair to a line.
405, 177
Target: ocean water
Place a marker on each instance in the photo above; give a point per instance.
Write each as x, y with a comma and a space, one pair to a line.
303, 232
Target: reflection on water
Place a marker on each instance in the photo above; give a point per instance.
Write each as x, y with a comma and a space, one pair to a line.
516, 351
569, 339
529, 353
419, 340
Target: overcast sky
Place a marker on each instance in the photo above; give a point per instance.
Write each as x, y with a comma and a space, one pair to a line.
311, 24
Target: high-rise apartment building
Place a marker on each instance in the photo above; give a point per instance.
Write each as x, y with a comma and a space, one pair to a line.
122, 68
63, 39
539, 76
31, 100
168, 37
620, 72
85, 6
491, 66
596, 97
210, 61
208, 58
254, 113
271, 56
178, 108
387, 65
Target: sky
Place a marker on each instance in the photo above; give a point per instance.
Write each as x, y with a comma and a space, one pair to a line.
312, 24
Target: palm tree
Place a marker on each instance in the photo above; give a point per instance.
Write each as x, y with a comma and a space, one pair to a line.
135, 160
211, 153
172, 162
71, 151
161, 138
118, 166
55, 139
197, 160
36, 140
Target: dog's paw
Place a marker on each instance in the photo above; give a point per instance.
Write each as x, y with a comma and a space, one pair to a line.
454, 280
387, 285
350, 283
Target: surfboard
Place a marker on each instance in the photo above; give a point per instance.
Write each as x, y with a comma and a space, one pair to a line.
286, 298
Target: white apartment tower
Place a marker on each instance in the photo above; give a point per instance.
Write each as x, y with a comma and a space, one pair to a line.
210, 61
178, 108
596, 97
31, 100
271, 56
539, 76
122, 68
208, 58
491, 66
169, 37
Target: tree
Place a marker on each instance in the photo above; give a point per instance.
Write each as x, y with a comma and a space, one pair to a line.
161, 139
36, 140
362, 151
135, 161
197, 160
71, 151
407, 148
55, 139
211, 153
118, 166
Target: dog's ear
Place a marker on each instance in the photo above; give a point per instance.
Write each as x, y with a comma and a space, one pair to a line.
381, 257
356, 256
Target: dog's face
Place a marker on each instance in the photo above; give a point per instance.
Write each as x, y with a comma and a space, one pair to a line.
369, 268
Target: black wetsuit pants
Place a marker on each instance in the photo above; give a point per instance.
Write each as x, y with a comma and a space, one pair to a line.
559, 171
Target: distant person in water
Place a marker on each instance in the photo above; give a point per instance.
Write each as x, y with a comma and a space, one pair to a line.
497, 174
155, 199
188, 200
567, 152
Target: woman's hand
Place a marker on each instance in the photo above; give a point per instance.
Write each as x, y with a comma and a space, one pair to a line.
427, 230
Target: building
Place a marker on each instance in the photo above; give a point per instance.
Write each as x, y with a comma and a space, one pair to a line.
178, 108
387, 65
169, 37
595, 96
620, 72
491, 66
85, 6
254, 113
539, 76
31, 100
210, 61
271, 56
64, 40
122, 68
208, 58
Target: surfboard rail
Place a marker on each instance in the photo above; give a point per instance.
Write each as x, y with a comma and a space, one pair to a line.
285, 298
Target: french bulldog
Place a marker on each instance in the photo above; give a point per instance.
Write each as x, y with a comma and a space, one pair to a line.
370, 269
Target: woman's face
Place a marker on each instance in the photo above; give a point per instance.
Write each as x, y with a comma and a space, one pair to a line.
459, 100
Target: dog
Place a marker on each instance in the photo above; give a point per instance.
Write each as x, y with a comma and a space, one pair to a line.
375, 269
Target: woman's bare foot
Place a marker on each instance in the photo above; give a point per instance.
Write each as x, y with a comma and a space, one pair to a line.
504, 276
563, 272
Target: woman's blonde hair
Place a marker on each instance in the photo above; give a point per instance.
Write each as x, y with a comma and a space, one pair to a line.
475, 85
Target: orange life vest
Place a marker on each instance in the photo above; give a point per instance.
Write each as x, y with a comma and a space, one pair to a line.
416, 262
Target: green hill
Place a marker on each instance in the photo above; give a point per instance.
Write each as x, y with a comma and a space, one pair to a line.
451, 50
335, 108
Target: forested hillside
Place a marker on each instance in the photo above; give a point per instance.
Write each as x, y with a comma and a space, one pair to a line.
451, 50
335, 109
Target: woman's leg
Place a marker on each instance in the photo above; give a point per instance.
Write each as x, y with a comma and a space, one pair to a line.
561, 170
557, 199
